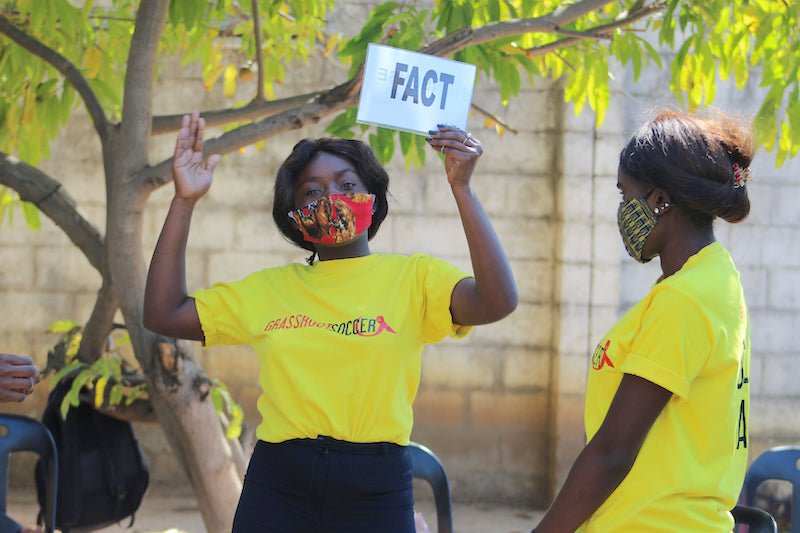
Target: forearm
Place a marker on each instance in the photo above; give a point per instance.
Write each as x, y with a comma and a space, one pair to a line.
495, 289
591, 480
165, 292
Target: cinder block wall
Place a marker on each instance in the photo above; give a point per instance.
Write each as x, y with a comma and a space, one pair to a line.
503, 408
483, 401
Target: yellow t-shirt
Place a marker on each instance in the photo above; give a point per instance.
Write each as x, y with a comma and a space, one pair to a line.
338, 342
690, 335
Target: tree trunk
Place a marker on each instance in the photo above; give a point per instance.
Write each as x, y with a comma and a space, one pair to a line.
177, 386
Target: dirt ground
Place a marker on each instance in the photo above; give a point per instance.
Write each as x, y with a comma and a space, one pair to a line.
179, 514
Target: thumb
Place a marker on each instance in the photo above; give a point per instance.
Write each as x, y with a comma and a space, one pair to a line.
212, 161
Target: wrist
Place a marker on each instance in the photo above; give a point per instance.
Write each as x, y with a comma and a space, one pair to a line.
461, 188
184, 203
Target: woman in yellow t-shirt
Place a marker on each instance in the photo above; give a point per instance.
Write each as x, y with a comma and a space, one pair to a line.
338, 340
667, 396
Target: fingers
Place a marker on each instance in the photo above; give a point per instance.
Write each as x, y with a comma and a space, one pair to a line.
18, 366
14, 359
187, 136
200, 126
18, 376
13, 389
189, 144
7, 395
212, 161
449, 139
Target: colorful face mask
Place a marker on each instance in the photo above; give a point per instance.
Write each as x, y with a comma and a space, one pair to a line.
335, 219
636, 220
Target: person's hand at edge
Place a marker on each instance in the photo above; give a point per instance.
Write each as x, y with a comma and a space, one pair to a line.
18, 376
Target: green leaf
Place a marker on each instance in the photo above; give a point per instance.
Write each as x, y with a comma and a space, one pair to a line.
67, 369
493, 7
342, 125
651, 52
115, 396
31, 214
62, 326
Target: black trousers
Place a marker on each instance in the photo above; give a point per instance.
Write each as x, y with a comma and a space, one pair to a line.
325, 485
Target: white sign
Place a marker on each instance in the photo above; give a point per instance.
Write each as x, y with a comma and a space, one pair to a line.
414, 92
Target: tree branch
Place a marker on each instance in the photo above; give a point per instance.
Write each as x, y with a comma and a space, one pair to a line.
583, 35
65, 67
252, 111
137, 104
493, 118
633, 16
259, 53
336, 99
97, 329
344, 95
550, 23
36, 187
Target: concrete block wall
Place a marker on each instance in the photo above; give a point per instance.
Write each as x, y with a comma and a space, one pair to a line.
483, 404
504, 407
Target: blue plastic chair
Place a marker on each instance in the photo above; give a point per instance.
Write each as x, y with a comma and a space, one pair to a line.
20, 433
428, 467
756, 520
782, 462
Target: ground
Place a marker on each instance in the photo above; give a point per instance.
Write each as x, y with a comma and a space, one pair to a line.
160, 512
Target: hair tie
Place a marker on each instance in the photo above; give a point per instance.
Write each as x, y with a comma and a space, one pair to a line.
741, 175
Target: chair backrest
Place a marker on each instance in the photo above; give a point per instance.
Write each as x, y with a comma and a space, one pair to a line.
756, 520
20, 433
783, 463
428, 467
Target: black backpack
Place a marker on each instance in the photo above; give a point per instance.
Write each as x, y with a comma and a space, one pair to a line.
103, 474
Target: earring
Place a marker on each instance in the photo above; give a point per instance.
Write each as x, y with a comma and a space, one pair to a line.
659, 210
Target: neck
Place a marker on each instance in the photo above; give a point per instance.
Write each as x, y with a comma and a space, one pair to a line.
358, 247
678, 250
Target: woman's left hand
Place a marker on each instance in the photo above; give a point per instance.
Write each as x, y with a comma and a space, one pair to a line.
461, 152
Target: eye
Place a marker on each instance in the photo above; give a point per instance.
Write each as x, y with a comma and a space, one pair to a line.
348, 185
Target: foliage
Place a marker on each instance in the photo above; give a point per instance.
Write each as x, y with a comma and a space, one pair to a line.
729, 39
715, 38
230, 412
9, 201
55, 54
111, 377
114, 380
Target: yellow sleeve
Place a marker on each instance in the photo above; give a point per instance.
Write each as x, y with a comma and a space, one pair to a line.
438, 279
222, 312
673, 343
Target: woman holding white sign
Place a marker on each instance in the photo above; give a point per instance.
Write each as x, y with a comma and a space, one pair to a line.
339, 339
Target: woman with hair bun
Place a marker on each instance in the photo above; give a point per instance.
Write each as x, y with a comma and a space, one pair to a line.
667, 396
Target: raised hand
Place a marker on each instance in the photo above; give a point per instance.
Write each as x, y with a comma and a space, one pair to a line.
461, 152
191, 174
18, 375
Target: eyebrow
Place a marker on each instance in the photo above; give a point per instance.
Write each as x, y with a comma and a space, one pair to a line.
338, 174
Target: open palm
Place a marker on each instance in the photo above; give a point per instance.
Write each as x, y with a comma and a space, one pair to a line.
192, 175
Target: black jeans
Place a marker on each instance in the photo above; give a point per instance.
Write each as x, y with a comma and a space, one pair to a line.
325, 485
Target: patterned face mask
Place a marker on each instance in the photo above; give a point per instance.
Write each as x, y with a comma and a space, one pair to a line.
636, 220
335, 219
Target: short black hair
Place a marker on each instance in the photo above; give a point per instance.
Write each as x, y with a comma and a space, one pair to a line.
691, 158
356, 153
